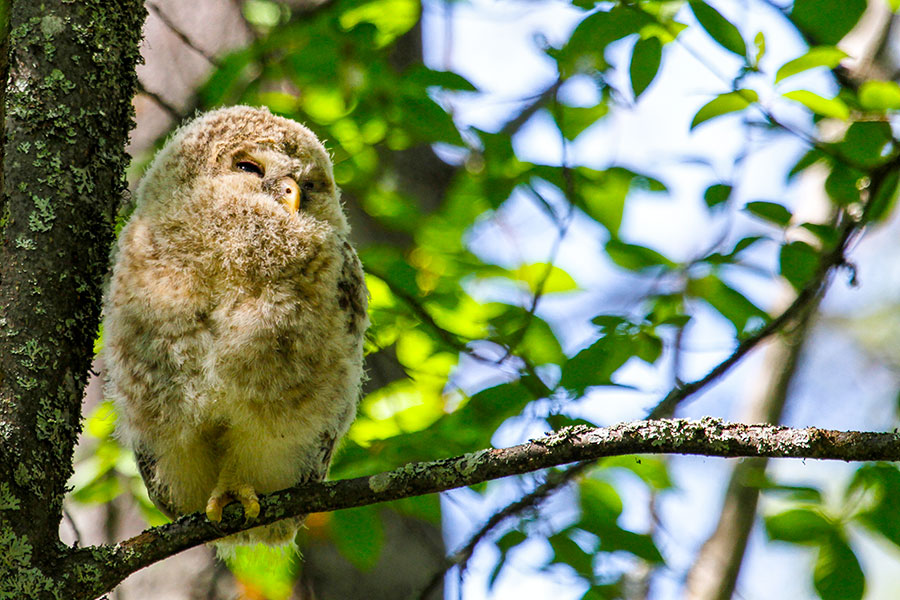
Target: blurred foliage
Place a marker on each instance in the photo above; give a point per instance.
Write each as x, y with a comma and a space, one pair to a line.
347, 71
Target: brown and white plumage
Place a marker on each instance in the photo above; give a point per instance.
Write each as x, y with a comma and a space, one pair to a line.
235, 315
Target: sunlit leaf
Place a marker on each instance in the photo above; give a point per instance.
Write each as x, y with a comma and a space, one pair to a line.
818, 56
724, 104
392, 18
827, 107
546, 278
879, 95
269, 572
719, 28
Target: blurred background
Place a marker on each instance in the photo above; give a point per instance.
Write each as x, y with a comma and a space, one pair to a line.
565, 210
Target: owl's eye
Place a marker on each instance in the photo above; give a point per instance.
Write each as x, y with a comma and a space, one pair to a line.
249, 167
308, 186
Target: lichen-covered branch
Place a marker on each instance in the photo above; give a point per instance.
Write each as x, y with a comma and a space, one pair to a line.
708, 437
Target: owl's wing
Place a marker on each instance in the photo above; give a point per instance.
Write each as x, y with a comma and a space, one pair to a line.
146, 463
322, 459
352, 294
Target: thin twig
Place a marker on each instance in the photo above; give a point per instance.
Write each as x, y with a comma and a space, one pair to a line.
181, 35
555, 480
173, 112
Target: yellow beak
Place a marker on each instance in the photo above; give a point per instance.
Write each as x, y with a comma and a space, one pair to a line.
289, 194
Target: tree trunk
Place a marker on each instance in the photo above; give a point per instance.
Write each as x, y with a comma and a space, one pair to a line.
69, 78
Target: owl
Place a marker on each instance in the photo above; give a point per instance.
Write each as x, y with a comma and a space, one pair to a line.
234, 319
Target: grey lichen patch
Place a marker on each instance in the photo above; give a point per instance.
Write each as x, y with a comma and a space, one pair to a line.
51, 25
470, 462
380, 482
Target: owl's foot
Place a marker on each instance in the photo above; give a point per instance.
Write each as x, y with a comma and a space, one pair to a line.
244, 494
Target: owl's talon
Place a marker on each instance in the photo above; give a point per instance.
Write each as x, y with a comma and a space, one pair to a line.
246, 495
215, 504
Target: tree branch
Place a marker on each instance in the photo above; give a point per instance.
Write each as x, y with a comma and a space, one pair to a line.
708, 437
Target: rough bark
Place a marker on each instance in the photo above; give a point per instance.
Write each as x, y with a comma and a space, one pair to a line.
67, 113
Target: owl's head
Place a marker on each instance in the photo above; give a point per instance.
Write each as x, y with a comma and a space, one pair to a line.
251, 153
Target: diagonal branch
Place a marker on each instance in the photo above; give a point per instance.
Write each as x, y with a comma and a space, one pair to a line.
709, 437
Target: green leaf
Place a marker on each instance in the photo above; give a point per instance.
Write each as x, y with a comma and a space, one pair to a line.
799, 263
827, 21
759, 41
635, 257
546, 278
596, 364
882, 516
392, 18
510, 540
585, 49
600, 504
652, 470
639, 544
885, 198
731, 304
819, 56
827, 107
573, 120
770, 211
799, 526
879, 95
837, 574
358, 534
567, 552
645, 59
603, 193
724, 104
867, 143
842, 184
717, 194
719, 28
272, 571
536, 342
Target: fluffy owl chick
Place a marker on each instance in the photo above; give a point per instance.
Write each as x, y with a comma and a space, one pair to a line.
234, 320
